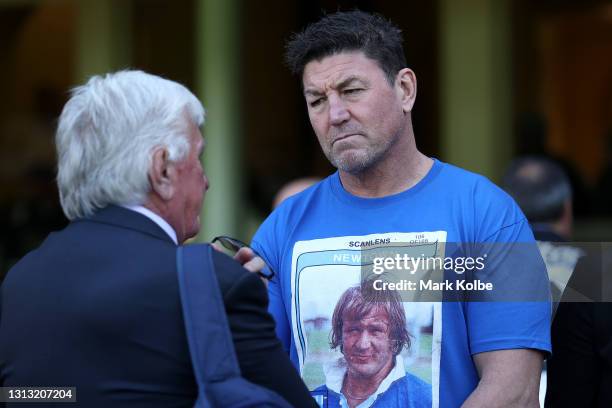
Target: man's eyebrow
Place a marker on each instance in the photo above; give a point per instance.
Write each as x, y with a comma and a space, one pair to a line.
348, 81
312, 92
341, 85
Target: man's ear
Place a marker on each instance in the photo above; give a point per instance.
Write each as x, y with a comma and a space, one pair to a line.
160, 174
407, 87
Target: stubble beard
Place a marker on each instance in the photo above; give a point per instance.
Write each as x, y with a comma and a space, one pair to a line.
359, 160
354, 162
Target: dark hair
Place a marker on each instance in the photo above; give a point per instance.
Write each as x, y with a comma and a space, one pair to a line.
375, 36
539, 186
359, 301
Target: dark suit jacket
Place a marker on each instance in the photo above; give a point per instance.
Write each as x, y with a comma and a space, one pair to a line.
97, 306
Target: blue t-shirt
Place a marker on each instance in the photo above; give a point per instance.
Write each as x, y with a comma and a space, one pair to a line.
314, 241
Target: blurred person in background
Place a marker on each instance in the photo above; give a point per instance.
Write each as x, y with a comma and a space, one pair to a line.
543, 191
292, 188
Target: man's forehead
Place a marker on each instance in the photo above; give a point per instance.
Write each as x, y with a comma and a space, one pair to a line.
335, 69
377, 314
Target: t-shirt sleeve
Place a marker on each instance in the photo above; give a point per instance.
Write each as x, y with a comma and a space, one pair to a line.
265, 244
508, 325
517, 312
277, 310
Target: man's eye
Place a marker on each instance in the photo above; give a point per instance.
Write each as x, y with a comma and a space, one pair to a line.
316, 102
352, 91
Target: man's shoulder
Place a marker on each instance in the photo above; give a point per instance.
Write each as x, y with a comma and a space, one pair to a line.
462, 178
411, 391
449, 170
408, 391
414, 383
487, 197
105, 251
229, 272
114, 239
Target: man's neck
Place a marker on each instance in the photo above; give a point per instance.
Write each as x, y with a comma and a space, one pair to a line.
391, 176
156, 218
158, 206
561, 228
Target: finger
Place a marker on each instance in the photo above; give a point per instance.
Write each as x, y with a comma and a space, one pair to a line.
255, 265
244, 255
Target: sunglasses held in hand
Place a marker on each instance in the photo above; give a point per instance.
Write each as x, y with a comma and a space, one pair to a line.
234, 245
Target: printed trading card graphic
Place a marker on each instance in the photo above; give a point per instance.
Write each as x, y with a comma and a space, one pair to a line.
354, 351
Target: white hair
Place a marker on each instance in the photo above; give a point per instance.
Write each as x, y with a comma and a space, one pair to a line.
106, 135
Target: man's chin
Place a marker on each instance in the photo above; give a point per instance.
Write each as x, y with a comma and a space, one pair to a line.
351, 163
362, 371
362, 365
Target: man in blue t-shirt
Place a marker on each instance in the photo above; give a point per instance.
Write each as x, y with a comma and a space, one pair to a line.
388, 195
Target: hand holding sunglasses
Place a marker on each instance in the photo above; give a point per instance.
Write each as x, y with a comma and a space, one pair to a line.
234, 245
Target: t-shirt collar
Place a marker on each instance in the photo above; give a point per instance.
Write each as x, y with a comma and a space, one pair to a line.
335, 372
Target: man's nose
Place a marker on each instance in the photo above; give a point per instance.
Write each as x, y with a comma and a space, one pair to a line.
338, 112
363, 342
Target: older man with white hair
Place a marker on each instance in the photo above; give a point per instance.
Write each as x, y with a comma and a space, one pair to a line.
97, 305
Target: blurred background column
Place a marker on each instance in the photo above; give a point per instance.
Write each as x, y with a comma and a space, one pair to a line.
218, 87
104, 37
476, 84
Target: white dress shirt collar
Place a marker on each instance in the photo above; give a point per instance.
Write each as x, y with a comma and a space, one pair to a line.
155, 218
